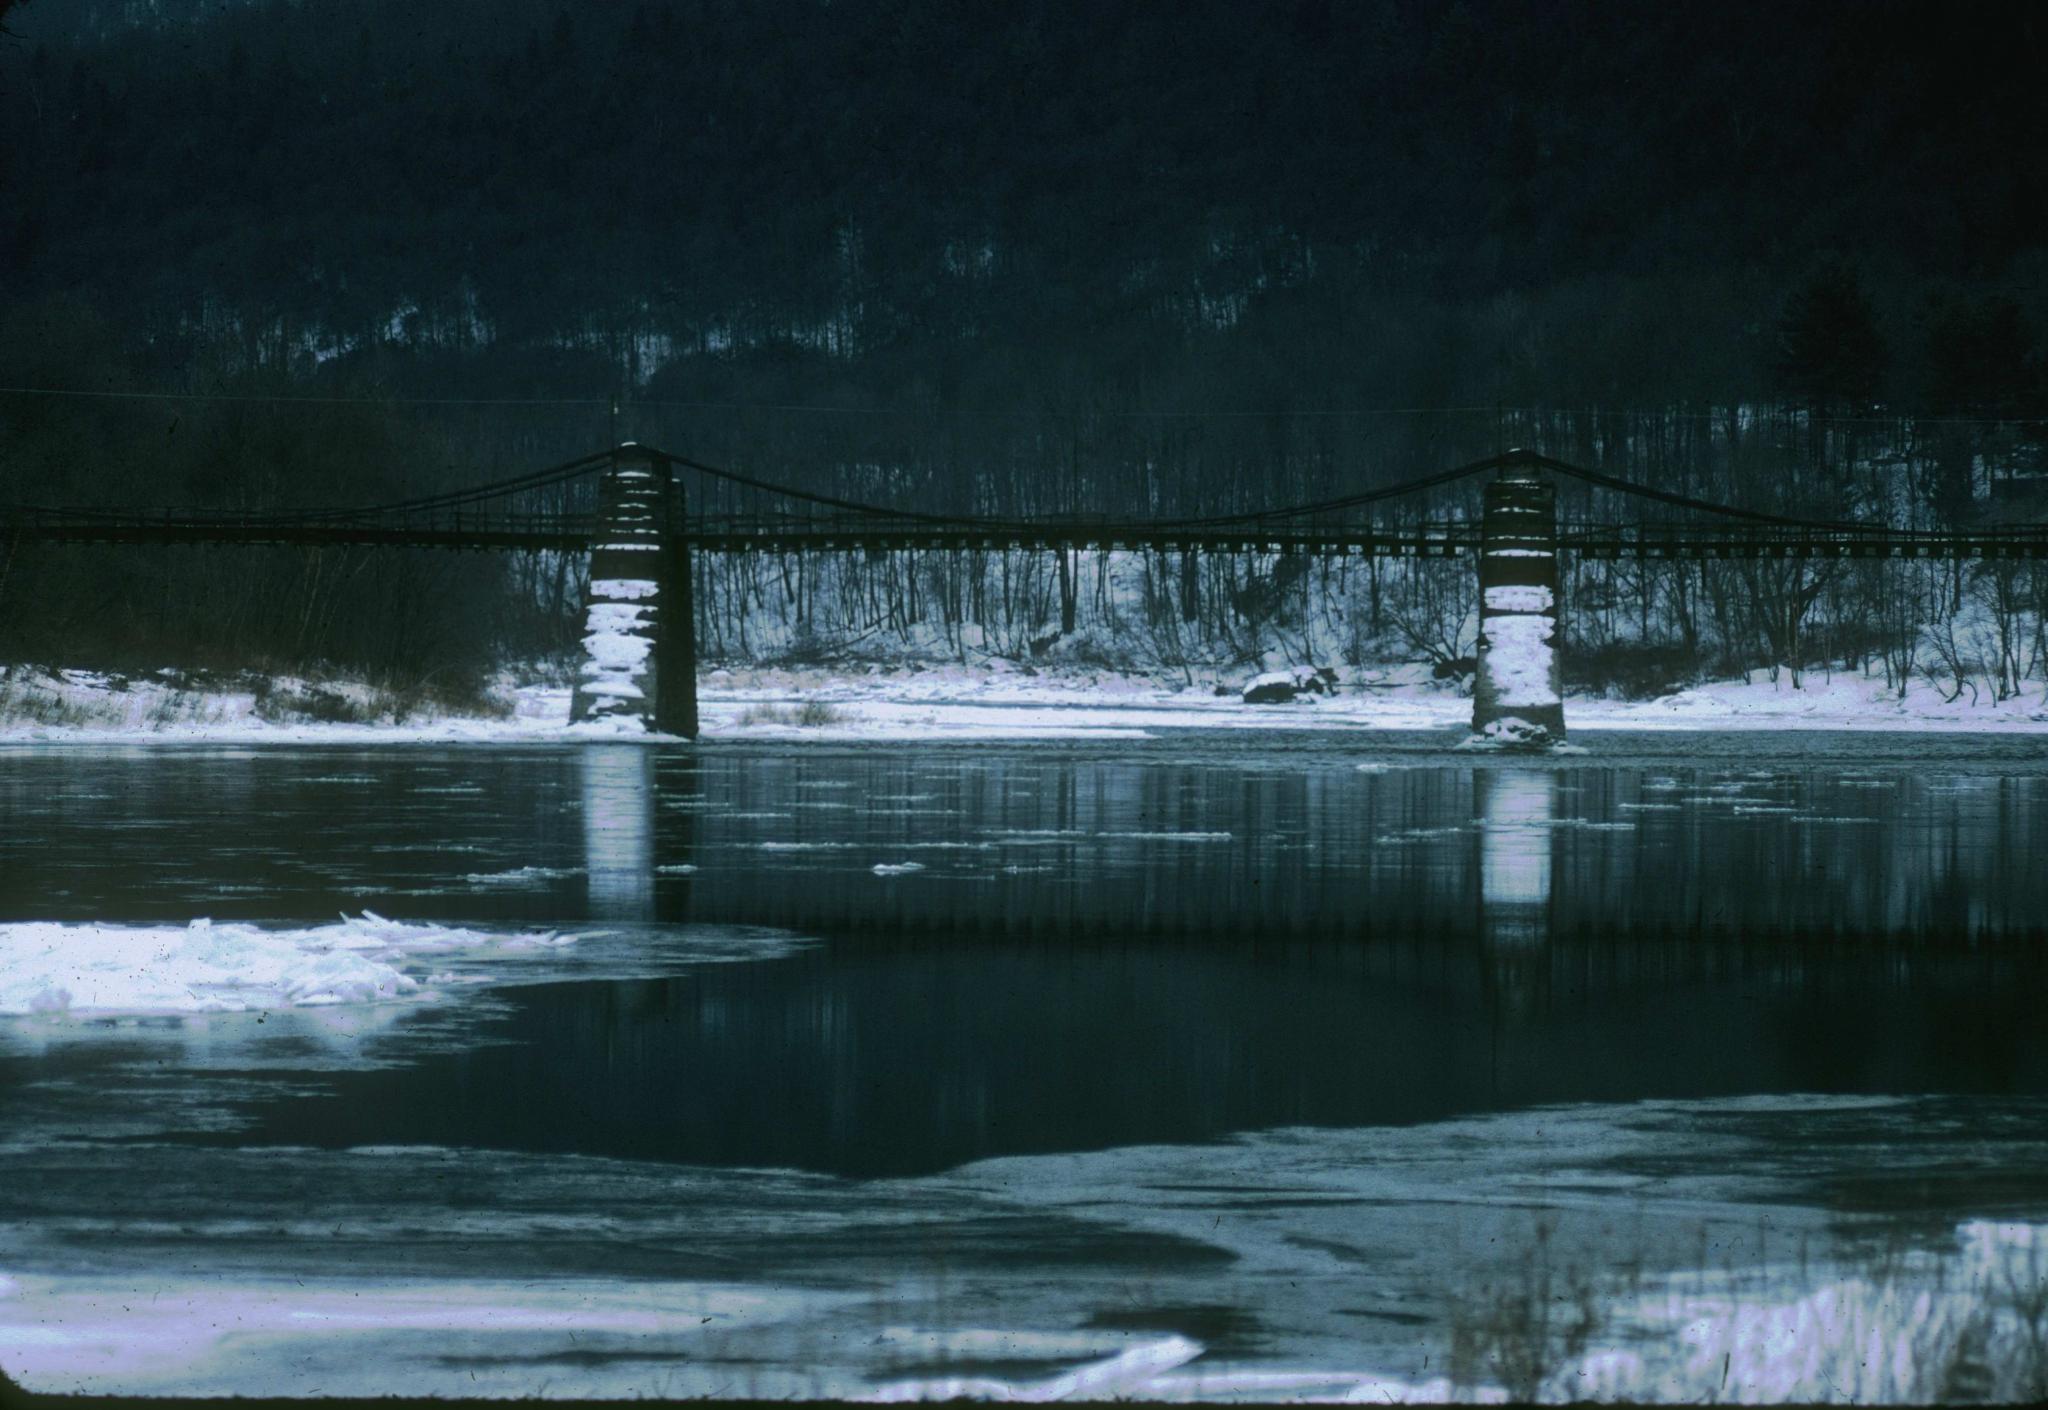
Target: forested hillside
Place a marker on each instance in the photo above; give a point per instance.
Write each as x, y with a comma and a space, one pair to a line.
1039, 257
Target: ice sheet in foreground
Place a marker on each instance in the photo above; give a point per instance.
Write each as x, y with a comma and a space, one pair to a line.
172, 1335
52, 968
1682, 1239
585, 1339
1964, 1324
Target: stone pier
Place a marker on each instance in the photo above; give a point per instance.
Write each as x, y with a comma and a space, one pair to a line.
1516, 696
639, 669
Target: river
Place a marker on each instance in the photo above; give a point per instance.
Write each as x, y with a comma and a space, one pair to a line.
1184, 1067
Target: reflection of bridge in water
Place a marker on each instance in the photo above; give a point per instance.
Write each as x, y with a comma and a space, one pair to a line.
1514, 857
1465, 939
1493, 942
641, 517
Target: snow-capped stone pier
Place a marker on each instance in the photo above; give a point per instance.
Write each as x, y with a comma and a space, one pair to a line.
1516, 696
639, 649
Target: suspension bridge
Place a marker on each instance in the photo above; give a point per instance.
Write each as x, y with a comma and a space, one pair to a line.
640, 513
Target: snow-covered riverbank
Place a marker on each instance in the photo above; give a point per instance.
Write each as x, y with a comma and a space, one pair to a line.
955, 703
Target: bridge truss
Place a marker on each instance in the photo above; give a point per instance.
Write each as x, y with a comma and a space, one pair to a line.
555, 510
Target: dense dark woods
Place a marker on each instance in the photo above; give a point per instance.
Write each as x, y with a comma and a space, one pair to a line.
1039, 257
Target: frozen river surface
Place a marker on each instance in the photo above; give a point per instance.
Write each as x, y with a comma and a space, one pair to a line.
1291, 1066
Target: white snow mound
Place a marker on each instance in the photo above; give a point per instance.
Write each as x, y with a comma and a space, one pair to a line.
47, 967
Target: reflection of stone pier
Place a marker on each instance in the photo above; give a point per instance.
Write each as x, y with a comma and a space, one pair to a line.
1516, 699
618, 830
1516, 810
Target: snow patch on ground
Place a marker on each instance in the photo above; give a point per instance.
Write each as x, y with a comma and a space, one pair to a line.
1843, 700
970, 703
1512, 735
1915, 1336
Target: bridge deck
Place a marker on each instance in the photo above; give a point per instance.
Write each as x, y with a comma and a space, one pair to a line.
1455, 539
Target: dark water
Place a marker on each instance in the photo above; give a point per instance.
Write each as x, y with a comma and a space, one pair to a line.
1101, 949
1736, 838
1066, 950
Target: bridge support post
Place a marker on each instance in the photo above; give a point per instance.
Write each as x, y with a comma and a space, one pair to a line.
1516, 697
639, 657
675, 651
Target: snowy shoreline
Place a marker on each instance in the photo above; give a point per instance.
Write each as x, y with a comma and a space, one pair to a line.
953, 702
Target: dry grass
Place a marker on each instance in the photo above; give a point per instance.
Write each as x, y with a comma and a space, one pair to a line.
396, 701
808, 715
312, 704
173, 698
25, 698
1968, 1326
1516, 1332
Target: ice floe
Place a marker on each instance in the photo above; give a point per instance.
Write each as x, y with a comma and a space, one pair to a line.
55, 968
521, 876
